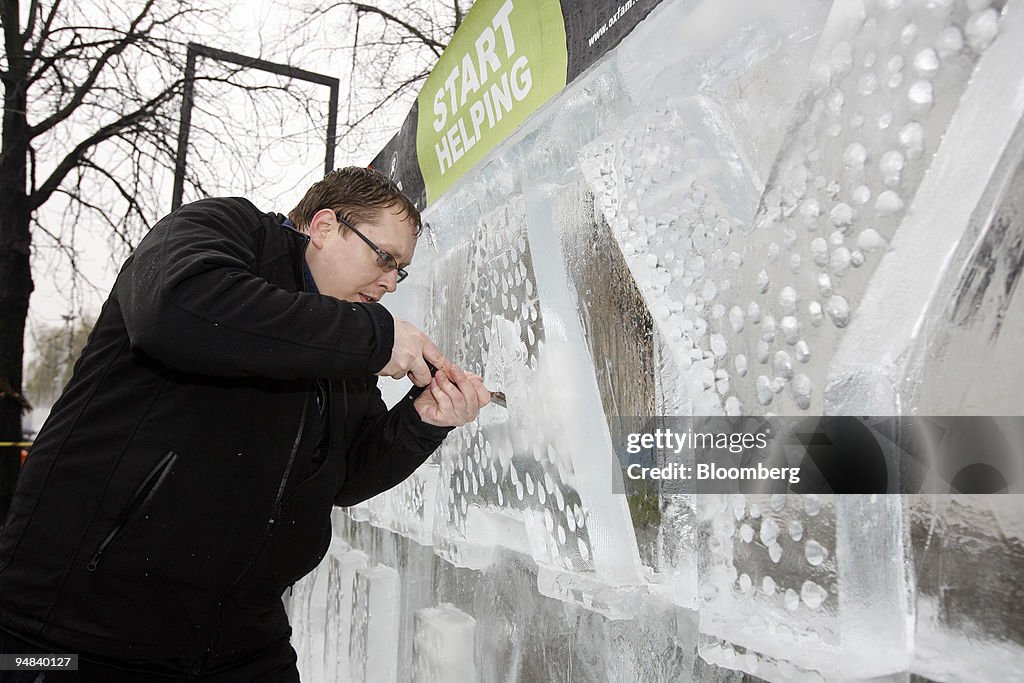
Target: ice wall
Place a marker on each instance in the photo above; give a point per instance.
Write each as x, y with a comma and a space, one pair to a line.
794, 208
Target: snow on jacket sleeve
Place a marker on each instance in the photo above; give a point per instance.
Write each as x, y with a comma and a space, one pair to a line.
390, 445
192, 300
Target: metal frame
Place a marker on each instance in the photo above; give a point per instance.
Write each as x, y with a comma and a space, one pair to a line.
194, 51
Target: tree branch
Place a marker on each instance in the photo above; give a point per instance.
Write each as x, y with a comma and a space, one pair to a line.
82, 90
39, 197
436, 47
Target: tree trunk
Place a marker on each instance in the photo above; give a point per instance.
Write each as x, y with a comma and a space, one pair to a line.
15, 268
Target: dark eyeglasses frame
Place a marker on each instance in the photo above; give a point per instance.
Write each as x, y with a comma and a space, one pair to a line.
386, 261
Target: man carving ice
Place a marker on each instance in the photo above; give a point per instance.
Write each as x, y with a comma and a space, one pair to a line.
225, 401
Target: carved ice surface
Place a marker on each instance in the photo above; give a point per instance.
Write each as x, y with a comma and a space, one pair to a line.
443, 646
375, 607
804, 208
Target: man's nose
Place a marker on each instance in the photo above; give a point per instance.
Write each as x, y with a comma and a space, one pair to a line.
389, 280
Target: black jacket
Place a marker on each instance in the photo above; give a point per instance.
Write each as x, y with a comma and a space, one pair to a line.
173, 493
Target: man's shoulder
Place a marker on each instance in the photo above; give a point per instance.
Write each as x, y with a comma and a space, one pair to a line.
231, 215
223, 205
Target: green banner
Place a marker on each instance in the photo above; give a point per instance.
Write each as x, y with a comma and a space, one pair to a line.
506, 60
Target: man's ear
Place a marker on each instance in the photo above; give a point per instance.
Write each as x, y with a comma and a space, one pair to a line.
321, 226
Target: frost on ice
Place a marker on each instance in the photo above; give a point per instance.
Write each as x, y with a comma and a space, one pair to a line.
802, 208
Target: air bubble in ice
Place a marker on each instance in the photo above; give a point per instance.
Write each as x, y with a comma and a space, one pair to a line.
812, 594
719, 347
869, 240
745, 583
861, 194
733, 407
812, 504
788, 299
794, 262
803, 351
839, 262
891, 165
927, 62
782, 364
950, 41
736, 319
768, 329
815, 553
888, 203
762, 281
792, 600
754, 312
981, 29
855, 155
765, 395
895, 65
790, 329
819, 250
911, 136
796, 529
841, 215
908, 34
921, 95
768, 585
769, 531
775, 552
740, 363
815, 313
764, 350
838, 310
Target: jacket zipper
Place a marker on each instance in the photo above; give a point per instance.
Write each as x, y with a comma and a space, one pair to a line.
276, 510
274, 513
141, 496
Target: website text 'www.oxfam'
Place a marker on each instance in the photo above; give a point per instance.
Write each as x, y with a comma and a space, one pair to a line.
720, 451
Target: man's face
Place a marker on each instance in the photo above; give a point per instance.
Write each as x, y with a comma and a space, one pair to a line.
346, 267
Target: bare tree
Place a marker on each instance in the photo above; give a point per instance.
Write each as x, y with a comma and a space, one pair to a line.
91, 94
392, 47
58, 348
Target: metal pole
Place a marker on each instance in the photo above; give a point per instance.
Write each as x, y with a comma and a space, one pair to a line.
184, 127
195, 50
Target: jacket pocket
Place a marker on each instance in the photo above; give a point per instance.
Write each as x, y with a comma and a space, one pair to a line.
142, 496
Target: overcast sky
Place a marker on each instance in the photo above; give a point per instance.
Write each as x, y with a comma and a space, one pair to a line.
285, 172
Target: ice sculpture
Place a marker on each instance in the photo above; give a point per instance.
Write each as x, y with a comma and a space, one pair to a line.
744, 209
443, 650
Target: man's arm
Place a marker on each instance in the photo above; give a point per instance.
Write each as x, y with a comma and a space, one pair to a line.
389, 447
192, 300
392, 444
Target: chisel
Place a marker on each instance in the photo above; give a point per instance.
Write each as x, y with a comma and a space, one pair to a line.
497, 397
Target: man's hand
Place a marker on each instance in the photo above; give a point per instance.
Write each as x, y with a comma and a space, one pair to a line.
452, 399
410, 355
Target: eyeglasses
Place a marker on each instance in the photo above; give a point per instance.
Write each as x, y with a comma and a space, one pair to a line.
385, 260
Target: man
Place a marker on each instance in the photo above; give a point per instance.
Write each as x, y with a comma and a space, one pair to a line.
225, 401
